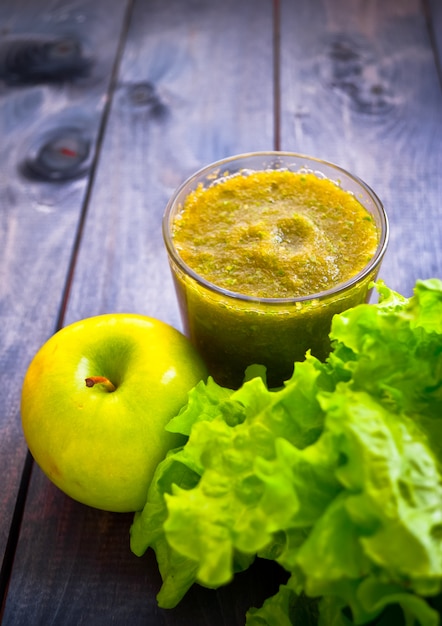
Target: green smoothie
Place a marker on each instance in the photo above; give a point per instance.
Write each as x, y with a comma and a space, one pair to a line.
268, 252
275, 234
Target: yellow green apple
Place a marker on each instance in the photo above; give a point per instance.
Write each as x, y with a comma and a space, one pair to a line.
95, 401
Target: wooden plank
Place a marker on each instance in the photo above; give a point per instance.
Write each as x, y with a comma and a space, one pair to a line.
53, 79
434, 19
187, 95
195, 85
360, 87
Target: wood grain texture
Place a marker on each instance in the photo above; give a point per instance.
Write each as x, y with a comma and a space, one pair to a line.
39, 216
360, 88
76, 569
195, 85
434, 18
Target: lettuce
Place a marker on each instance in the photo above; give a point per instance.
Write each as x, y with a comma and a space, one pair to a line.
336, 476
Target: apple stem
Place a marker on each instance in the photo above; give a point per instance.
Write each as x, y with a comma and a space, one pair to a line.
100, 380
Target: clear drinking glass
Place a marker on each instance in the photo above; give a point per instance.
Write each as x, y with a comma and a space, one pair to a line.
231, 330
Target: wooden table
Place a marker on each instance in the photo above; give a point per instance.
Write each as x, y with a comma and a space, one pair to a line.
106, 107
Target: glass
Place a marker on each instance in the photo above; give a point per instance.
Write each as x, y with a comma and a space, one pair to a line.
231, 330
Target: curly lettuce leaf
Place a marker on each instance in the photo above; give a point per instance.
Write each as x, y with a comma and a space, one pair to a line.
286, 608
221, 451
336, 476
393, 351
426, 306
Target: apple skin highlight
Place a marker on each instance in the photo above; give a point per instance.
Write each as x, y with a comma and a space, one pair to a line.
100, 444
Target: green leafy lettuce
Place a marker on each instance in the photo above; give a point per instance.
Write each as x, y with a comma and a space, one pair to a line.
336, 476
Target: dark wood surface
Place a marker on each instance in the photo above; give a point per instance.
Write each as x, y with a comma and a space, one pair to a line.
156, 90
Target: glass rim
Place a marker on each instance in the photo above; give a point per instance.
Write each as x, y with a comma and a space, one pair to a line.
320, 295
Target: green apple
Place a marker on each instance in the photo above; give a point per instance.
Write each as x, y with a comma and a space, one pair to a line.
95, 401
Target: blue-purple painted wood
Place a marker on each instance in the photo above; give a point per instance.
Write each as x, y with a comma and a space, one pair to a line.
105, 108
56, 63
